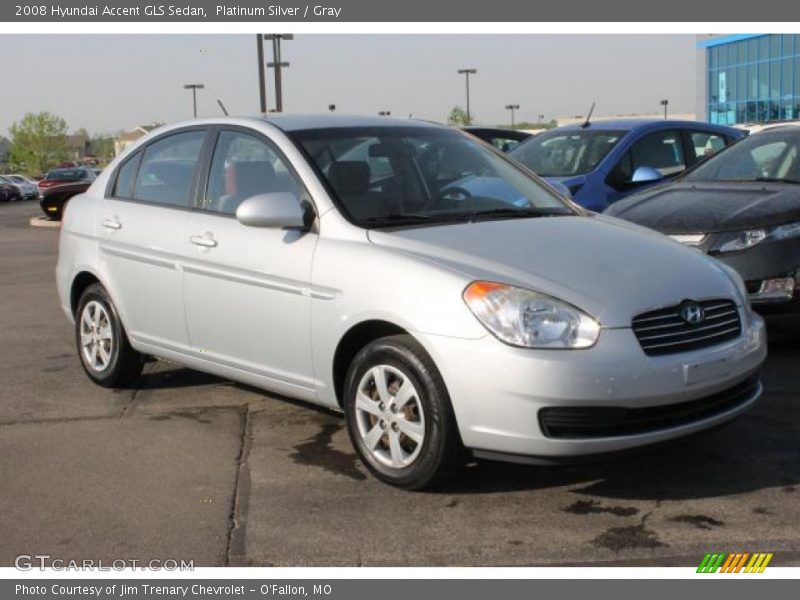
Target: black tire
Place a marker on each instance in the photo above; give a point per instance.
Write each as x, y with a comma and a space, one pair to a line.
441, 453
124, 364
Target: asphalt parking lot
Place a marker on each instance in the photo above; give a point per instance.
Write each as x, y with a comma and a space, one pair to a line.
192, 467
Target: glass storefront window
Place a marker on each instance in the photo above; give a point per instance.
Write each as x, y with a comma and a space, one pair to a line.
713, 87
741, 83
752, 76
774, 80
752, 112
787, 42
786, 77
763, 48
797, 76
741, 51
754, 80
763, 81
774, 46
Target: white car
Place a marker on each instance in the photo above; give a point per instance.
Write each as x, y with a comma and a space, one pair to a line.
439, 294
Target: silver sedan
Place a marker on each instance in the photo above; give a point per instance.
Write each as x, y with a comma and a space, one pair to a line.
436, 292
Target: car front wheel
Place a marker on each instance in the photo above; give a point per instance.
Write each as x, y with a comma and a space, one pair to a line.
399, 415
105, 352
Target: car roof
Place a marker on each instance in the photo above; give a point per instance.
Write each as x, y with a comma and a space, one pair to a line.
293, 122
631, 124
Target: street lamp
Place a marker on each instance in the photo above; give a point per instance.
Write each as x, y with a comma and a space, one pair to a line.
262, 88
194, 87
276, 38
512, 108
467, 73
384, 113
665, 103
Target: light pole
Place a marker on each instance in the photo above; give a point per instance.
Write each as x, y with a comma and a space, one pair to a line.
278, 64
665, 103
194, 87
467, 73
262, 88
512, 108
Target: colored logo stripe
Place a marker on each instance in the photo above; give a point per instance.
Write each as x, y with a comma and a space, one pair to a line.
734, 563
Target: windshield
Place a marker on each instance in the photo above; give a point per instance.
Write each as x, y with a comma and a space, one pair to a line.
391, 175
764, 156
67, 174
565, 153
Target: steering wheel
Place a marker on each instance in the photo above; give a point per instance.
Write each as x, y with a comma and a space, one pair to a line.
449, 195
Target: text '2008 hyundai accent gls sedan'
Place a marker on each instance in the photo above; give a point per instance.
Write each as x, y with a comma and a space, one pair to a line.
440, 295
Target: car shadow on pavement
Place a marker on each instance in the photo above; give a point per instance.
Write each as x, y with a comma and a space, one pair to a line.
757, 451
760, 450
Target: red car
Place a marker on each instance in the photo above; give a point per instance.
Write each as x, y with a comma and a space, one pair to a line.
61, 176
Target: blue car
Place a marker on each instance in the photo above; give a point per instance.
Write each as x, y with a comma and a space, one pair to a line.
604, 161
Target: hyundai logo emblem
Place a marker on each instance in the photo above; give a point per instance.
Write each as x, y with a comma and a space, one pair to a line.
693, 313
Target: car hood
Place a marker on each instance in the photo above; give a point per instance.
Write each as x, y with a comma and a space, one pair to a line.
685, 207
609, 268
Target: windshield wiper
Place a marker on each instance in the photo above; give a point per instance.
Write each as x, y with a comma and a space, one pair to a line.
752, 180
416, 218
399, 219
776, 180
519, 212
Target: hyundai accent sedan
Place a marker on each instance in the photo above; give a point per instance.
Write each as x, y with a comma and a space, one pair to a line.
447, 301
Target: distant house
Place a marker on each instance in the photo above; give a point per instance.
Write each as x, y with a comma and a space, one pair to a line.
79, 147
129, 137
5, 149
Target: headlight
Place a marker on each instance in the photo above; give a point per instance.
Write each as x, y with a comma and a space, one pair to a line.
748, 239
530, 319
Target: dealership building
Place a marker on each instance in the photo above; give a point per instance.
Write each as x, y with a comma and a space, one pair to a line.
748, 78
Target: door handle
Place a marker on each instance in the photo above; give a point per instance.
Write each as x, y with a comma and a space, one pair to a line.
205, 241
111, 223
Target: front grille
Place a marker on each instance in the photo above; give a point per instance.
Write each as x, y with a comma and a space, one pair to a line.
664, 331
585, 422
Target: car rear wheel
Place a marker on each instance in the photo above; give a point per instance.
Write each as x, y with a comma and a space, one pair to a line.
399, 415
103, 347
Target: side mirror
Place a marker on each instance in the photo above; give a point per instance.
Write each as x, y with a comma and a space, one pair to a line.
646, 175
277, 210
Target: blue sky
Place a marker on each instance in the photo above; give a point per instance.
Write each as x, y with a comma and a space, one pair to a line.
109, 83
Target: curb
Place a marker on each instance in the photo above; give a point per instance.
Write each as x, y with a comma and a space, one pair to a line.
42, 221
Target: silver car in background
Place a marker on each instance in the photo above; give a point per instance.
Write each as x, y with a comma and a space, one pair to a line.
432, 289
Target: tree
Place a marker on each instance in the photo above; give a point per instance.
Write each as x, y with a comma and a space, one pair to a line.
39, 141
102, 146
458, 117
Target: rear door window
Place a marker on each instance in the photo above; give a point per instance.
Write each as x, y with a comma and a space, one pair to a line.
167, 169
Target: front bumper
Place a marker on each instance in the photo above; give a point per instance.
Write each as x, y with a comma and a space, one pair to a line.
498, 391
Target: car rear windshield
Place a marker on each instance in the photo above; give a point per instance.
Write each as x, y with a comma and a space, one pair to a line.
767, 156
68, 174
395, 175
565, 153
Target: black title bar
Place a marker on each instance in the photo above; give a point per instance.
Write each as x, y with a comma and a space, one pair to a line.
401, 10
